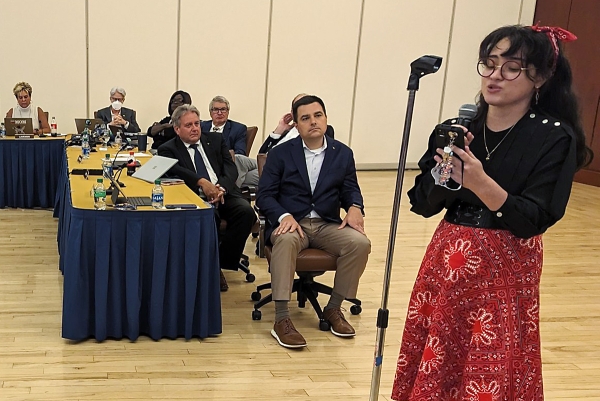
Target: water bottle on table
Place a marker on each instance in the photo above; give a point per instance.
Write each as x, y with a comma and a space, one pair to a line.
85, 144
158, 195
2, 130
99, 195
53, 127
107, 166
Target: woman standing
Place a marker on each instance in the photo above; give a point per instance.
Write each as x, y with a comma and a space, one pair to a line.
472, 329
25, 109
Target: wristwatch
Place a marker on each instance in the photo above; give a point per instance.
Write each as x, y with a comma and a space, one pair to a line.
362, 211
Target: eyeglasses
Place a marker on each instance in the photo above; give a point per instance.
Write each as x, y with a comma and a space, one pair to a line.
510, 70
117, 99
222, 110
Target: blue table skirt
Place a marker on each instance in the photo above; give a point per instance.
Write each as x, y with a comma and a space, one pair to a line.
30, 171
128, 273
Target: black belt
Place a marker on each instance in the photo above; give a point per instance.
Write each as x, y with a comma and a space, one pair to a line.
466, 214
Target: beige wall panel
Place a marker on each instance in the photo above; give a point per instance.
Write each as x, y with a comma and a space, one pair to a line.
394, 34
527, 12
45, 47
224, 52
133, 44
463, 82
313, 50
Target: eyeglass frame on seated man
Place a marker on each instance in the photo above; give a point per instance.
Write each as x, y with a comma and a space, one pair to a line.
221, 110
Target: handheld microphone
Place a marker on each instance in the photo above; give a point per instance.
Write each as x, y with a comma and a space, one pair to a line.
466, 114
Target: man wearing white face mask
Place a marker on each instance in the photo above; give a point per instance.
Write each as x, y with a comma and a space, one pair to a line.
116, 114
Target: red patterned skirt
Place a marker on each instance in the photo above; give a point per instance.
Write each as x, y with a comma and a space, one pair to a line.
472, 328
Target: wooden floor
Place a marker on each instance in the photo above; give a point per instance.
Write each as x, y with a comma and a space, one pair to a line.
245, 362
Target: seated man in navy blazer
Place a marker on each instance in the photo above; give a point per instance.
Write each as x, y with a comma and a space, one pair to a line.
207, 169
116, 114
303, 184
234, 135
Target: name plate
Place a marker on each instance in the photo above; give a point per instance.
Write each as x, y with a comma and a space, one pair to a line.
24, 136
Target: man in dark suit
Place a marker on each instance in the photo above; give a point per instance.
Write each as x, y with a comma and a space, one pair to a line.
234, 135
116, 114
204, 163
303, 184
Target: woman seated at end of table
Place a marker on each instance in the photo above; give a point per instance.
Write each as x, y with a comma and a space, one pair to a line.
25, 109
162, 131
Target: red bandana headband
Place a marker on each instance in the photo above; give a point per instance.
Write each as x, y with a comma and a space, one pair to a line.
555, 34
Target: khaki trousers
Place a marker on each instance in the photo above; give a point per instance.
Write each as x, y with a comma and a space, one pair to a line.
351, 247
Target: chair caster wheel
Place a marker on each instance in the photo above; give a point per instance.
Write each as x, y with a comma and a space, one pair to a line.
324, 325
250, 277
256, 314
254, 235
255, 296
355, 309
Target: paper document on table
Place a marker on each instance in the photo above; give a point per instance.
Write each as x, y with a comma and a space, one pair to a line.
171, 181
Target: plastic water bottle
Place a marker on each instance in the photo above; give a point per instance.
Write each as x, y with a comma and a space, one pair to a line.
99, 195
53, 127
158, 195
118, 139
2, 130
85, 144
107, 166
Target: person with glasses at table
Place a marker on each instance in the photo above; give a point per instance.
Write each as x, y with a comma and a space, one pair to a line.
206, 167
117, 115
25, 109
234, 135
472, 328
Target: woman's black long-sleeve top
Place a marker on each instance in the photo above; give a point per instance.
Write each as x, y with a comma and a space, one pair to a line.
535, 164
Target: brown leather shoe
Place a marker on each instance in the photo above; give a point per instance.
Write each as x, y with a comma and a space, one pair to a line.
339, 326
286, 334
224, 285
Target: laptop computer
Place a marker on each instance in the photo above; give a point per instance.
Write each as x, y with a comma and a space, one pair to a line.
18, 126
154, 168
124, 199
90, 123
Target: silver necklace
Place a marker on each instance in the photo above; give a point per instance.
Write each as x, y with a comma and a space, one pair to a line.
489, 154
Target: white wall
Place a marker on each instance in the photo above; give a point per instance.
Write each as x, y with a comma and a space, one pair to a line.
259, 54
45, 48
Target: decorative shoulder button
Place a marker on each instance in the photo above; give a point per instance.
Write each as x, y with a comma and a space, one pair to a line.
532, 115
544, 121
499, 214
557, 123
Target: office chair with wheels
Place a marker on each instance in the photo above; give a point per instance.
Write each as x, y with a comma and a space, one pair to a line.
310, 263
249, 194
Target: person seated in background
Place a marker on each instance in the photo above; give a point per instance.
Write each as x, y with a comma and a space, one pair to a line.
26, 109
302, 207
234, 135
117, 115
286, 130
162, 131
205, 165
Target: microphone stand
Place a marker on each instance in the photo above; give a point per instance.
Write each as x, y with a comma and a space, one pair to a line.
420, 67
111, 187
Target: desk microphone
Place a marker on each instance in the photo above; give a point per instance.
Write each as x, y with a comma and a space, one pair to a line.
120, 168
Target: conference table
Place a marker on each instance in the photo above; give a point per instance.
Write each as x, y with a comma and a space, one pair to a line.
135, 272
30, 171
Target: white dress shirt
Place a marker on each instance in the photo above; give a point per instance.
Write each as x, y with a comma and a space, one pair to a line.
314, 162
217, 129
293, 133
211, 172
